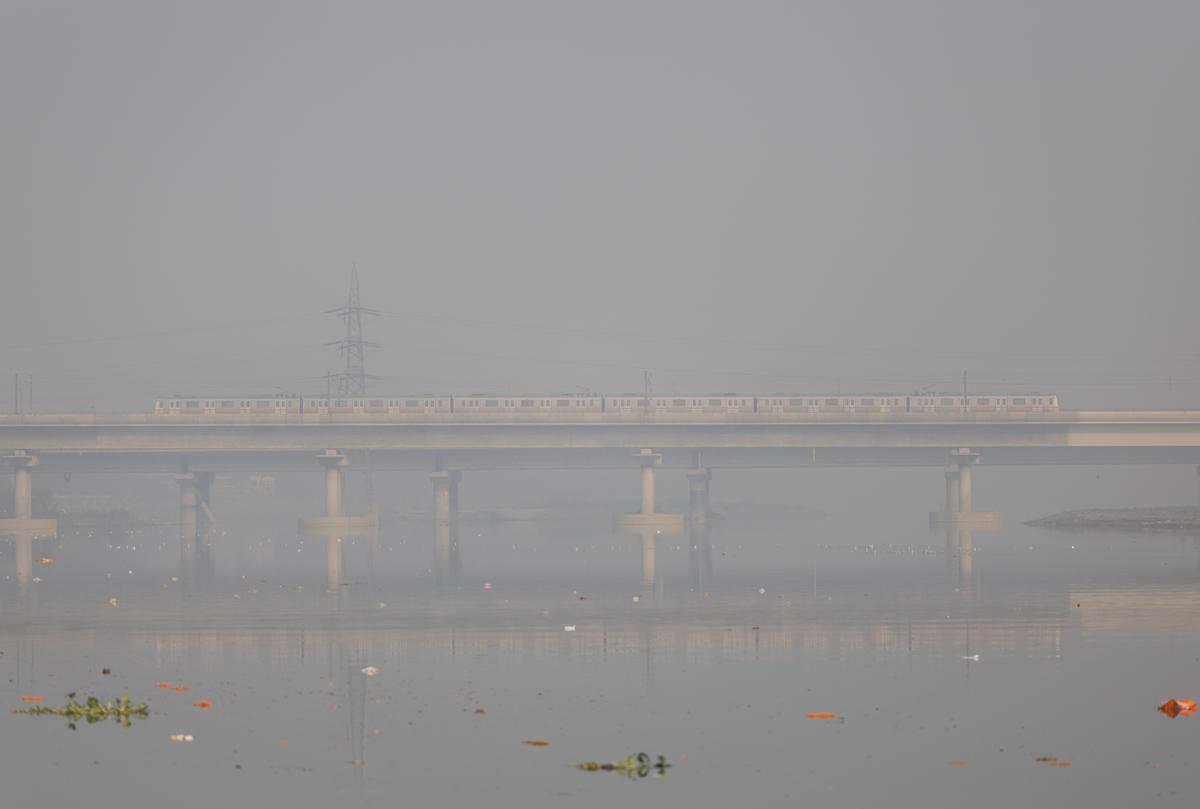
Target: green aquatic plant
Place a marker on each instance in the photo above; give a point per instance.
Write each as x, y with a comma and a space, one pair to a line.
92, 711
631, 767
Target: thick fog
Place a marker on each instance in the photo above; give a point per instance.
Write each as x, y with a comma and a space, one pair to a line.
554, 196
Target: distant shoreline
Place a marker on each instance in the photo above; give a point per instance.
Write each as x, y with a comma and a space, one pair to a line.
1164, 518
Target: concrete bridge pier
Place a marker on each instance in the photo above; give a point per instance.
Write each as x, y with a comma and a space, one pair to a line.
188, 518
22, 521
960, 511
951, 488
445, 524
648, 516
334, 463
698, 495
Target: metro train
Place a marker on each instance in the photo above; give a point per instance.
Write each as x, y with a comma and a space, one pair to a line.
778, 404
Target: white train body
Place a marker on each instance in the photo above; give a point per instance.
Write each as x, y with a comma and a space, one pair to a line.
778, 405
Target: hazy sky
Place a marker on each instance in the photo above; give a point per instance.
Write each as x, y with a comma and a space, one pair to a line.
751, 196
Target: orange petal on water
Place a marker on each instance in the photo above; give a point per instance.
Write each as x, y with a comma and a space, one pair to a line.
202, 704
181, 688
1060, 764
45, 560
31, 698
1178, 707
536, 743
821, 715
163, 685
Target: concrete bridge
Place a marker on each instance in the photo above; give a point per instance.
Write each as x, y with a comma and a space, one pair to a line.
193, 448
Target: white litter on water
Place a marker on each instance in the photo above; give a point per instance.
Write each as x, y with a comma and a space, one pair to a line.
570, 628
370, 671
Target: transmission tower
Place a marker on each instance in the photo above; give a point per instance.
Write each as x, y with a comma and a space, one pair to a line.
353, 380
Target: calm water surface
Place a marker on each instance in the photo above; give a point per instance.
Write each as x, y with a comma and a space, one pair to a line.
713, 659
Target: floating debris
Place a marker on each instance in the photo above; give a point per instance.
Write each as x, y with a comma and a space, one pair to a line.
569, 628
972, 658
45, 560
638, 766
536, 743
1178, 707
370, 671
182, 737
480, 711
821, 715
202, 704
1053, 761
958, 762
93, 710
164, 685
30, 698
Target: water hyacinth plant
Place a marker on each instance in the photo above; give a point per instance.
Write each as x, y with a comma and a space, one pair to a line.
92, 711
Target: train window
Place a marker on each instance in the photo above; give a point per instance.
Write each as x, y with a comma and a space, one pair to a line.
412, 403
642, 403
947, 402
227, 403
831, 401
376, 403
564, 402
491, 403
679, 403
866, 402
192, 403
983, 401
527, 403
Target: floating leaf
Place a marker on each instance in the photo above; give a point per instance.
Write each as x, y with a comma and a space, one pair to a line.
164, 685
536, 743
205, 704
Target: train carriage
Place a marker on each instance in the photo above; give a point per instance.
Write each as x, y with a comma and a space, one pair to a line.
564, 404
273, 405
793, 404
711, 404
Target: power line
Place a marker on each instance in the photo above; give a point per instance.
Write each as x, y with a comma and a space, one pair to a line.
110, 338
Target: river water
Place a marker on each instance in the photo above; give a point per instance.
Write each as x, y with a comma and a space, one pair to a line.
952, 664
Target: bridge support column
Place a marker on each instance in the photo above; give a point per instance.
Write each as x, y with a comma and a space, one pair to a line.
648, 484
951, 488
960, 512
188, 518
23, 528
964, 488
648, 515
334, 464
445, 496
698, 498
336, 519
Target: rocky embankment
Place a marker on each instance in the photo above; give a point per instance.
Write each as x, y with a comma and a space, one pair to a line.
1125, 519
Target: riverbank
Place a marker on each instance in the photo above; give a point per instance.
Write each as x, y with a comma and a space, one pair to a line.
1124, 519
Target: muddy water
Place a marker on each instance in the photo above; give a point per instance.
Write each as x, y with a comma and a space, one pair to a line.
952, 664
